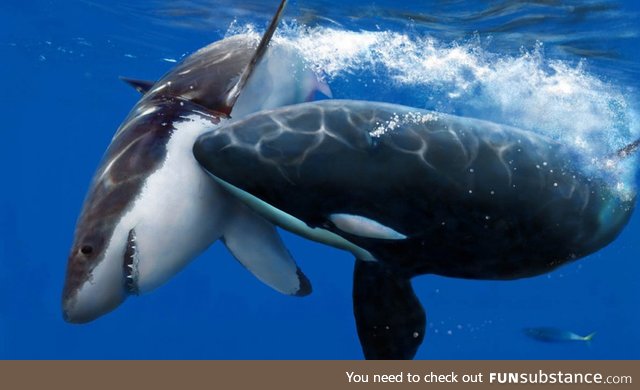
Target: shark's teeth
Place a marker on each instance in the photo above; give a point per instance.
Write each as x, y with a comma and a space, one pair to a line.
130, 264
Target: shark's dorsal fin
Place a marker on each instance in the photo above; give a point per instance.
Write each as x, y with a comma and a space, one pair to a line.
234, 92
142, 86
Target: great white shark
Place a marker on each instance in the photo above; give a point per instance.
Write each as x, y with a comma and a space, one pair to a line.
151, 209
413, 192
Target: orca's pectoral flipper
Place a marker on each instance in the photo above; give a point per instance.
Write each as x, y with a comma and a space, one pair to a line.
389, 318
142, 86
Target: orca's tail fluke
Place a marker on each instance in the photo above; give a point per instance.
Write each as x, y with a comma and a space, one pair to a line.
234, 92
629, 149
389, 317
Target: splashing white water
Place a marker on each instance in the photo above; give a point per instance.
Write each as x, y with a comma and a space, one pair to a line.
557, 99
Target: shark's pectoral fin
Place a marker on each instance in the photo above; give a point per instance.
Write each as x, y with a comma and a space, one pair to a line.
389, 318
255, 243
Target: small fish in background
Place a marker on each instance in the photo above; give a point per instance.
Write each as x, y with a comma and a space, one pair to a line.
555, 335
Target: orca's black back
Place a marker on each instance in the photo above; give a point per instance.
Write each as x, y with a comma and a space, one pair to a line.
475, 199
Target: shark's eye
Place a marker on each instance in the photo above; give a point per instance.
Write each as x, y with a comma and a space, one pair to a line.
86, 249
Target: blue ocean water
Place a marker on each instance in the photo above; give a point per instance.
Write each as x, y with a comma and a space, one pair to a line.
568, 70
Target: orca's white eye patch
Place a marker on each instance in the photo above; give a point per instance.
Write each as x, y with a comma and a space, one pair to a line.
364, 227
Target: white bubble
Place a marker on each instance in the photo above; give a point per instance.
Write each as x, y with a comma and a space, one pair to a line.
558, 99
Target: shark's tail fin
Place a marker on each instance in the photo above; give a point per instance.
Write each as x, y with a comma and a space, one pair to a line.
589, 337
236, 89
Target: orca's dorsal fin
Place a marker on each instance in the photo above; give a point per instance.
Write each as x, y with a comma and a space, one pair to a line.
142, 86
234, 92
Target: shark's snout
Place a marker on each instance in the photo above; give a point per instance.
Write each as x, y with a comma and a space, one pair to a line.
84, 307
89, 294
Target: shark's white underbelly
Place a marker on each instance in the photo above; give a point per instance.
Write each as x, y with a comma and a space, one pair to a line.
179, 212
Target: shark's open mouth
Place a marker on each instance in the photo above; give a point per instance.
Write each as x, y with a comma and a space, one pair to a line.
130, 264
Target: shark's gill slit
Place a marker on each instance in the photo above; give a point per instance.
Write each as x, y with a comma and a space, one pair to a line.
130, 264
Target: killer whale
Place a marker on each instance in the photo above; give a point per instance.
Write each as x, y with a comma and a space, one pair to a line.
150, 208
412, 192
